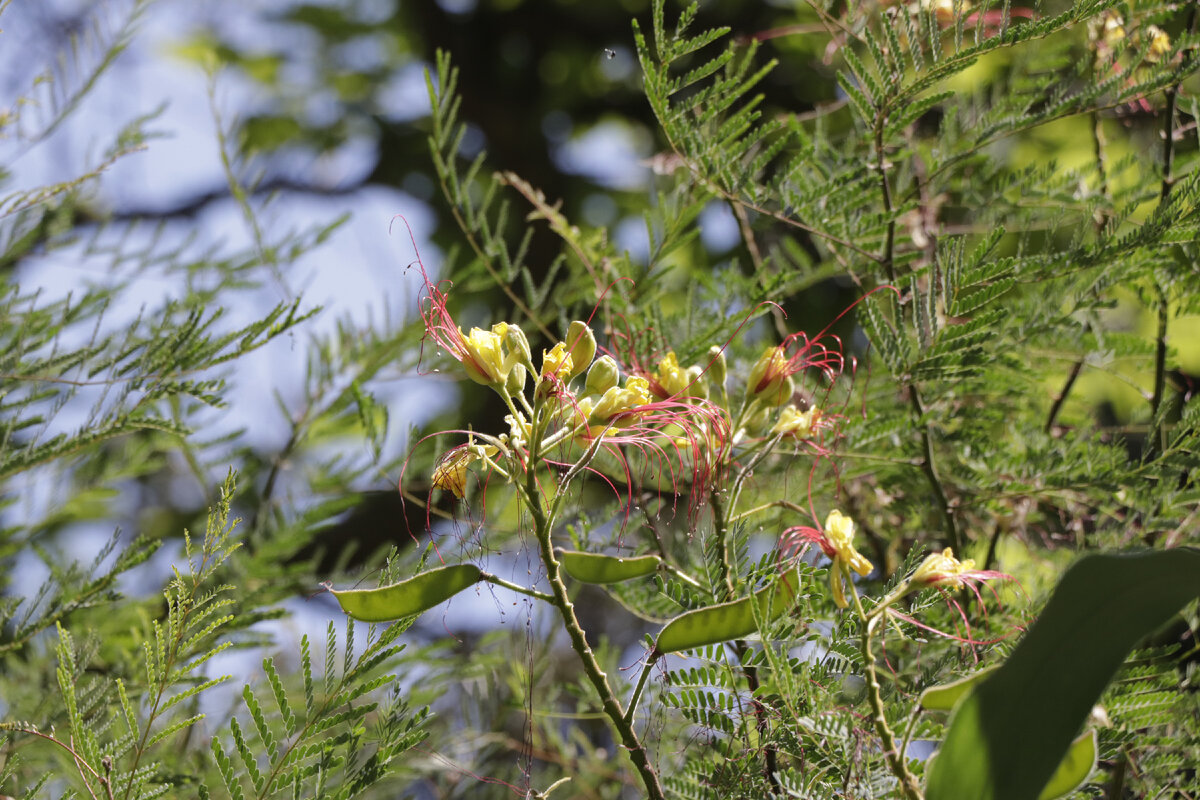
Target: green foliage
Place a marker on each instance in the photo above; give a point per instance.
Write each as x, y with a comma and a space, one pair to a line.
1027, 712
968, 235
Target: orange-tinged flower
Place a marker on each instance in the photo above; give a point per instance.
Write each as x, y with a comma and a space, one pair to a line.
450, 474
770, 377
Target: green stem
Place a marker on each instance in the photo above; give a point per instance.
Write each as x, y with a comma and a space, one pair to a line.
929, 466
725, 568
888, 259
636, 697
498, 581
542, 524
895, 757
1156, 441
721, 523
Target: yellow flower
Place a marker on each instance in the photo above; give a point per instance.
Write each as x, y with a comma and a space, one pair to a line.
618, 401
839, 545
557, 362
484, 360
1114, 28
795, 423
670, 377
942, 569
451, 474
1160, 44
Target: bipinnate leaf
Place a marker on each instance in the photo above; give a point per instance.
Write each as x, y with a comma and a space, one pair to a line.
1010, 734
407, 598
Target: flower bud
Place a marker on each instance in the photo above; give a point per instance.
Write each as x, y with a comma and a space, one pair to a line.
603, 376
519, 347
581, 344
515, 383
769, 380
717, 368
697, 382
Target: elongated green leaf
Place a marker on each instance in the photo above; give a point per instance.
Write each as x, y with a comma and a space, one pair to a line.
1010, 734
409, 597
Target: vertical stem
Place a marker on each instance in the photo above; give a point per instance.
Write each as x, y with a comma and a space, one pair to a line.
721, 523
1156, 441
1100, 221
895, 759
929, 466
889, 244
622, 726
1061, 398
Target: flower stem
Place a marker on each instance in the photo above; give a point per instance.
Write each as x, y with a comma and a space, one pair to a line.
929, 466
636, 697
498, 581
623, 727
896, 760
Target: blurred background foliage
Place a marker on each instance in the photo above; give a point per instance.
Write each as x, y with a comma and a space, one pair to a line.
259, 315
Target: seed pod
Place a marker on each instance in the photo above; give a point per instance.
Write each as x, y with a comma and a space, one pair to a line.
581, 344
1074, 769
407, 598
943, 698
603, 376
727, 621
596, 568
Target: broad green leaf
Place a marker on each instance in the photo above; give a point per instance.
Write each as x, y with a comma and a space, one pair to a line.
407, 598
1010, 734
